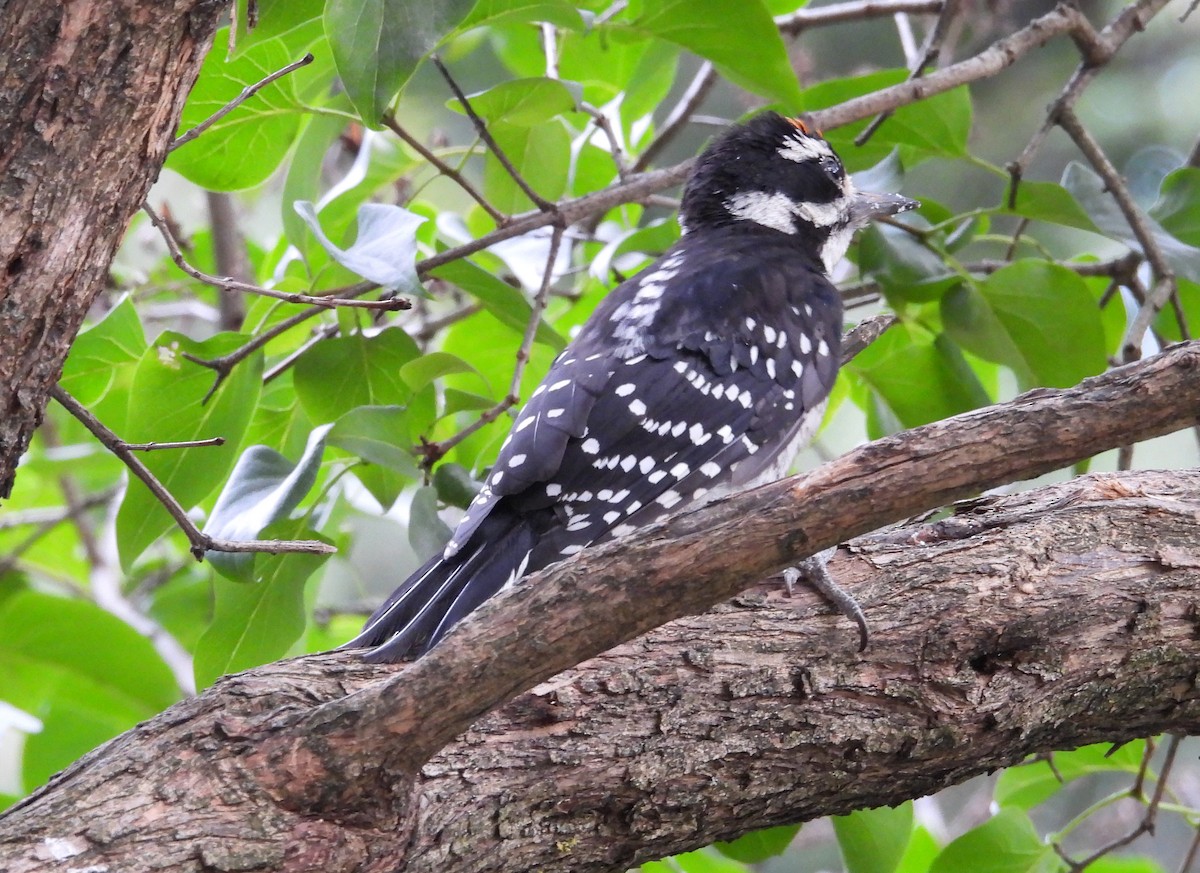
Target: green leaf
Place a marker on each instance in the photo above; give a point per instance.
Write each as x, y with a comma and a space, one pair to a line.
522, 102
378, 43
454, 485
1178, 206
427, 368
938, 126
169, 402
909, 377
906, 269
427, 533
504, 301
83, 672
114, 342
1028, 785
385, 250
1005, 843
1089, 189
922, 849
258, 623
342, 373
304, 174
541, 153
242, 149
277, 18
758, 846
874, 840
495, 12
707, 861
378, 434
1167, 323
1036, 317
741, 40
263, 488
1046, 201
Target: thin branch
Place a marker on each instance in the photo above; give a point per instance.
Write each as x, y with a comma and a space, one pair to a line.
200, 541
390, 122
685, 565
224, 365
1063, 20
929, 56
614, 145
323, 332
996, 57
802, 19
1097, 50
227, 283
550, 49
679, 115
486, 135
1145, 826
434, 451
1164, 285
247, 92
185, 444
864, 333
229, 253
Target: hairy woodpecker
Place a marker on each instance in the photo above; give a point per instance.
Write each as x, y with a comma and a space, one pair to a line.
706, 372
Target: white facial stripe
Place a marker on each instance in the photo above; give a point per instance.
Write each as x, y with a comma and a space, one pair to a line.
821, 214
805, 149
769, 210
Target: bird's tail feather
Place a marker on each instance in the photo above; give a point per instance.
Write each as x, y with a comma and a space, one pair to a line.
442, 591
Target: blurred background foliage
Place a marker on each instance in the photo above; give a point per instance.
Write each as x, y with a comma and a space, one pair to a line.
370, 428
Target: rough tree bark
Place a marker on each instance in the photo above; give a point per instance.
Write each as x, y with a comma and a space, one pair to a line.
323, 763
70, 178
1041, 621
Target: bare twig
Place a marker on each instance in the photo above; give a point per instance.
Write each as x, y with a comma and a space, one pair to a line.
247, 92
184, 444
864, 333
802, 19
1145, 826
550, 49
229, 253
1164, 285
390, 122
614, 145
696, 91
434, 451
486, 135
929, 56
229, 284
1097, 49
224, 365
200, 541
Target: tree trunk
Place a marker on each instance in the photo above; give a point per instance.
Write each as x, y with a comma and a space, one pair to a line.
1036, 622
90, 94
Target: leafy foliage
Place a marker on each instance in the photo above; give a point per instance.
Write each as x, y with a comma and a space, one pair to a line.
365, 428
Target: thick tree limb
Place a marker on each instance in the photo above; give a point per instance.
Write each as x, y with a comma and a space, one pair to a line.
697, 559
90, 94
1040, 622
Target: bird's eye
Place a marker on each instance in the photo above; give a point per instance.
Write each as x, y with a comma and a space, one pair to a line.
833, 167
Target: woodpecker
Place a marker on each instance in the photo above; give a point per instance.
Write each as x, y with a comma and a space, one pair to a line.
704, 373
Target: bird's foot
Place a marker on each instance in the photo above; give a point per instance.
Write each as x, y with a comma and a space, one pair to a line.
815, 572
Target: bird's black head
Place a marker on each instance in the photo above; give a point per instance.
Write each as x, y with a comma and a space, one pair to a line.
776, 172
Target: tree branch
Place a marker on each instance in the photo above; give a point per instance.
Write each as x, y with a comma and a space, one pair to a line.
701, 557
1044, 620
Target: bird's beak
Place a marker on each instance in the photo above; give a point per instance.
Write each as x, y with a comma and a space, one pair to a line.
864, 205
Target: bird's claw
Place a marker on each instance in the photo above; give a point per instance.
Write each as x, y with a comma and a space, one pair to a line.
814, 570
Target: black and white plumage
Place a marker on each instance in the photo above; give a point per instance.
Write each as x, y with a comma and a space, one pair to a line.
704, 373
